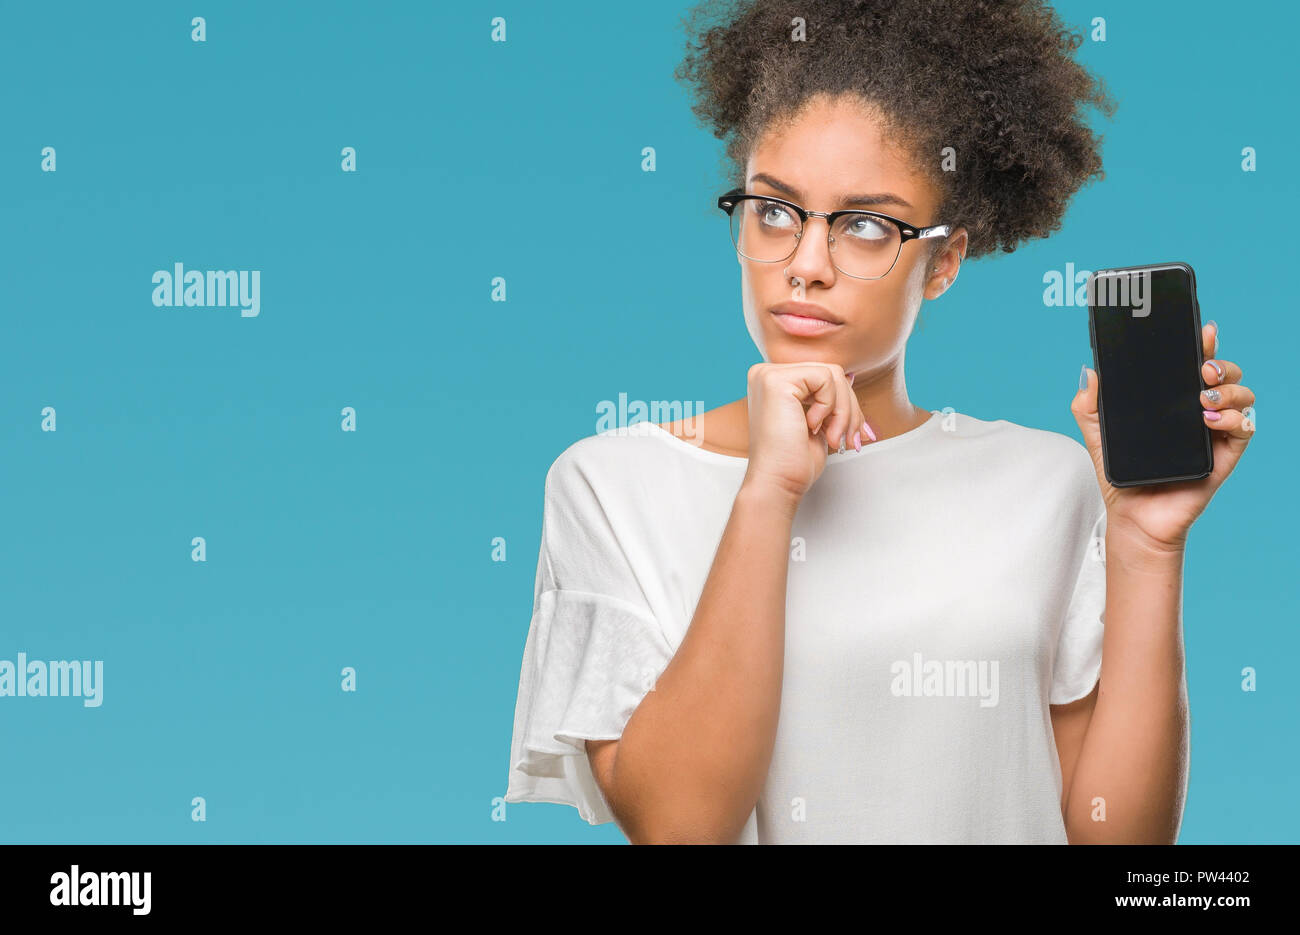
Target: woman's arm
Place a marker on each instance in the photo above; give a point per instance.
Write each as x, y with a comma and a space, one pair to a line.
693, 757
1133, 751
1135, 748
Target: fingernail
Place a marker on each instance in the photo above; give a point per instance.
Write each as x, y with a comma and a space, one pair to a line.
857, 441
867, 429
1211, 415
1248, 419
1212, 395
1083, 377
851, 376
1217, 368
1216, 335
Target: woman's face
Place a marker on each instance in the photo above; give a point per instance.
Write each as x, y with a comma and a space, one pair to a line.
836, 149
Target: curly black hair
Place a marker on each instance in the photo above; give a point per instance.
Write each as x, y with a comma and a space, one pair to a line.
994, 79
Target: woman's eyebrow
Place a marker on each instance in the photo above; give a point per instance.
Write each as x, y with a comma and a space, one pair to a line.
878, 198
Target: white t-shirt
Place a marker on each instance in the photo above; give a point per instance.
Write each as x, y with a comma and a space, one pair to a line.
945, 586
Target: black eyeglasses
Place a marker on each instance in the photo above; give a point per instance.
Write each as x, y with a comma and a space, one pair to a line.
863, 244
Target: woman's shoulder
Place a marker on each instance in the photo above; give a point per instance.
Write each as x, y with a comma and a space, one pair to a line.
1045, 453
610, 458
1014, 437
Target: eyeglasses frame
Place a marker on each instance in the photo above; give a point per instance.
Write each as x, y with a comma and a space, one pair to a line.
906, 231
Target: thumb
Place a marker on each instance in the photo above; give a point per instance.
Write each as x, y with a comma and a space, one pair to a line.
1085, 397
1084, 408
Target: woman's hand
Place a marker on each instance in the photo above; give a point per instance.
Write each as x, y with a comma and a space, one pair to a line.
1161, 514
788, 443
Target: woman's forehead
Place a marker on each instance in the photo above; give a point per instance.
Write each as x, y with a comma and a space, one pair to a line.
828, 165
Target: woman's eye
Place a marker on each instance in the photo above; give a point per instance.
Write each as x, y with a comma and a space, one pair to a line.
867, 228
774, 215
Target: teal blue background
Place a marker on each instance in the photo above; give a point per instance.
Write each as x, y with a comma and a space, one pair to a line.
373, 549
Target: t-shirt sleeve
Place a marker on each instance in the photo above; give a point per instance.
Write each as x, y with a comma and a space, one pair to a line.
594, 649
1078, 652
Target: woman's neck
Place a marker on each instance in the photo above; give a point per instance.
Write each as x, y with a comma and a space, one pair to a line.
725, 429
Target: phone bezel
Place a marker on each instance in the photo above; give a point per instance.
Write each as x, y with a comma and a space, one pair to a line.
1096, 363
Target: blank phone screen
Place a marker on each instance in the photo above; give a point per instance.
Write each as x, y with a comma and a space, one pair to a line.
1145, 334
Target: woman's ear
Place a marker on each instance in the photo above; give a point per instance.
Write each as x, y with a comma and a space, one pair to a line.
942, 272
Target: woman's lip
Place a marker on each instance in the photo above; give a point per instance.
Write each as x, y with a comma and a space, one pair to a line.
802, 325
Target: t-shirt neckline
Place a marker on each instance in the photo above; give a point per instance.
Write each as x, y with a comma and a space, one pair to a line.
844, 457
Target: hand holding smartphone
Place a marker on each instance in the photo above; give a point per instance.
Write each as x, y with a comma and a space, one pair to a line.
1145, 327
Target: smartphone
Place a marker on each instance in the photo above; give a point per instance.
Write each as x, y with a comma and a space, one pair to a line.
1145, 327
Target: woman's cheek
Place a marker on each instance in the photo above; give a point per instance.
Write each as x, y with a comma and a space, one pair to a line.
752, 320
756, 330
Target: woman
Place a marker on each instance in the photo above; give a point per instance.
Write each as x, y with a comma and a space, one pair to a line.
837, 616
